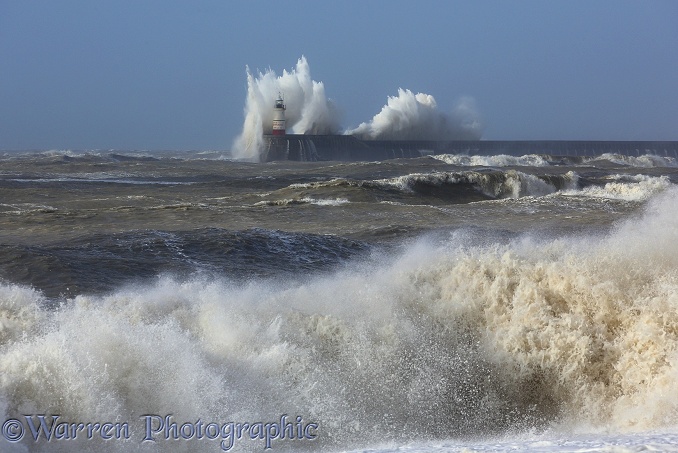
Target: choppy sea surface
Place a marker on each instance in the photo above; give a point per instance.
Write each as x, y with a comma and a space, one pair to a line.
446, 303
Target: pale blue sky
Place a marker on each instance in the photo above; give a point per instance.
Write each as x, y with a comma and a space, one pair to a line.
168, 74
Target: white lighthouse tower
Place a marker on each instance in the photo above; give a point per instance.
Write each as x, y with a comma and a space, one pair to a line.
279, 125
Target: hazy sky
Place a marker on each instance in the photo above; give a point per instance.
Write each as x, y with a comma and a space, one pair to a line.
168, 74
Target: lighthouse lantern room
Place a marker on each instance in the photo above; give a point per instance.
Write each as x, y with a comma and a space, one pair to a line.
279, 125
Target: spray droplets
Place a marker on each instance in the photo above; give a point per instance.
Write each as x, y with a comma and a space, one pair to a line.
407, 116
308, 109
416, 117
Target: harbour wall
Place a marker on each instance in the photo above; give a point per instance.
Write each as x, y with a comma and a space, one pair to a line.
347, 147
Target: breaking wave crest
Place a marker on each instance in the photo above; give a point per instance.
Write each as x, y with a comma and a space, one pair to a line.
536, 160
454, 339
626, 187
303, 200
646, 161
494, 184
490, 184
486, 184
501, 160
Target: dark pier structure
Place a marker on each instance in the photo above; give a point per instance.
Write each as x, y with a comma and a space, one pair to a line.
349, 148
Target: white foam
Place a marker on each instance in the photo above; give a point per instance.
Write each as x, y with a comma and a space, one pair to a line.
574, 335
625, 187
623, 443
410, 116
303, 200
19, 312
645, 161
501, 160
406, 116
509, 184
309, 111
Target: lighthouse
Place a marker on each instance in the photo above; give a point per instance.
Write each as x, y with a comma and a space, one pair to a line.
279, 125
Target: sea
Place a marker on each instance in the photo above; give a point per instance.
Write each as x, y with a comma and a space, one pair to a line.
186, 301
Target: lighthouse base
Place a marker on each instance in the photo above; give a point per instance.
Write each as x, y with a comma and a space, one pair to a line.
289, 147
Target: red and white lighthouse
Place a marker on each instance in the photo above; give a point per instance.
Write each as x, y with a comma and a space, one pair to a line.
279, 125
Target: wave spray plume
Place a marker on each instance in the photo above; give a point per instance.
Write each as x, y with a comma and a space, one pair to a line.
410, 116
308, 109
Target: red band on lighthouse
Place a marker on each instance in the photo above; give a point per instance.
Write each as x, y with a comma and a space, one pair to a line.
279, 125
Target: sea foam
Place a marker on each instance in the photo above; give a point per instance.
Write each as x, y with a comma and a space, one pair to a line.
464, 337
